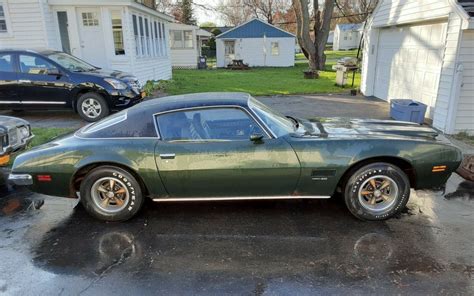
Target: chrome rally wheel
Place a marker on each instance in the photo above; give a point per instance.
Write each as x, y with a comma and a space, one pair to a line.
110, 194
376, 191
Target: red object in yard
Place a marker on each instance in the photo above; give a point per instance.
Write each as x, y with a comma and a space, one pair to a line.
466, 169
44, 178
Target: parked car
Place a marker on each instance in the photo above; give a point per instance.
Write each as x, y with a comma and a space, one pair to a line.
15, 134
229, 146
49, 79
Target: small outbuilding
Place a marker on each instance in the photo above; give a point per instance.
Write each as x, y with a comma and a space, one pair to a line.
347, 36
258, 44
423, 50
186, 44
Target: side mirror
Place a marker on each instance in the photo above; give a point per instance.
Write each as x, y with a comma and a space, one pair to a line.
256, 138
53, 72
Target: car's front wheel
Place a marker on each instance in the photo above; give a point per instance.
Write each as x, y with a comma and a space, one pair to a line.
110, 193
377, 191
92, 107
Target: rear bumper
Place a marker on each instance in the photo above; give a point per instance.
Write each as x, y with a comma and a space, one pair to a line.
21, 179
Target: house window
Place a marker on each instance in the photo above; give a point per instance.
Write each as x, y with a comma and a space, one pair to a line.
275, 48
142, 37
163, 39
147, 38
3, 20
90, 19
176, 39
135, 33
117, 32
157, 39
188, 39
181, 39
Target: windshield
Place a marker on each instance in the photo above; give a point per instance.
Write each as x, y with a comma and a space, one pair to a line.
71, 63
278, 123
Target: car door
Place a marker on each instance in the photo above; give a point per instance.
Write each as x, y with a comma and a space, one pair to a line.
43, 85
208, 152
9, 88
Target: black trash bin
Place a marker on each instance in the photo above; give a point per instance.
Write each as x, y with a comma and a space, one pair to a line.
202, 62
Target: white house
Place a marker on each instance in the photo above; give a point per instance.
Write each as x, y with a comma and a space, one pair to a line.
331, 38
423, 50
347, 36
258, 44
185, 44
125, 35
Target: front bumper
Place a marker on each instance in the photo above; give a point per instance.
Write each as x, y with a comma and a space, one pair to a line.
125, 98
21, 179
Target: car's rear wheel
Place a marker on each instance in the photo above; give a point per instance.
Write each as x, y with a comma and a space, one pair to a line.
110, 193
377, 191
92, 107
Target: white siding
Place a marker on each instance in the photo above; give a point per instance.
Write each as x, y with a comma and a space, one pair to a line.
345, 40
392, 12
446, 89
465, 107
51, 30
257, 52
184, 58
27, 27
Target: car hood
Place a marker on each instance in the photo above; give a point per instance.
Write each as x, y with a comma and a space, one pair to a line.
369, 127
104, 73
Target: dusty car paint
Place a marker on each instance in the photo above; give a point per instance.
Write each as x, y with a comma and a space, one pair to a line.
304, 163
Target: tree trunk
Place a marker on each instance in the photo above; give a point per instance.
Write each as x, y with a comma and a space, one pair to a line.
313, 48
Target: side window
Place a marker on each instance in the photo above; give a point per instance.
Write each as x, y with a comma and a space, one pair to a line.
225, 124
6, 63
35, 65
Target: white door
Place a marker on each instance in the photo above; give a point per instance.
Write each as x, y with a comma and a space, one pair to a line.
92, 37
409, 61
229, 52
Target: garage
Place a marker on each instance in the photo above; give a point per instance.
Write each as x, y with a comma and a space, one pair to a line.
409, 63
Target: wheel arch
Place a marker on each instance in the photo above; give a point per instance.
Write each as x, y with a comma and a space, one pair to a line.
81, 172
399, 162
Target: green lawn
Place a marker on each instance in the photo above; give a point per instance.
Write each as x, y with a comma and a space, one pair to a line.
44, 135
260, 81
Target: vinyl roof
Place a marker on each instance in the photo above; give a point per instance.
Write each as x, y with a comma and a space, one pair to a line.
255, 29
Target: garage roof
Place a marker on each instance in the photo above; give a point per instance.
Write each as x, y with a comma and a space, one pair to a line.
255, 29
468, 6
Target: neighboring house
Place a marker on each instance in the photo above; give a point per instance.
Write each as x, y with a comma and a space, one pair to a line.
258, 44
423, 50
347, 36
125, 35
186, 43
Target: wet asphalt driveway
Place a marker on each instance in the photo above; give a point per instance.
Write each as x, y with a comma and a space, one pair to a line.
245, 248
50, 246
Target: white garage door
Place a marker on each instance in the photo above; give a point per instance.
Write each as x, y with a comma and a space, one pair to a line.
409, 61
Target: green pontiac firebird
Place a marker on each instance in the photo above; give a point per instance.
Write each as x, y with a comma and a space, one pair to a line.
229, 146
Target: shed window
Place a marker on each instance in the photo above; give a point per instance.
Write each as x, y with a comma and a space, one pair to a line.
117, 32
90, 19
275, 48
188, 39
3, 20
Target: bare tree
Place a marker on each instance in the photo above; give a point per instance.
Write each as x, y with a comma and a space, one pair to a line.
320, 17
266, 9
354, 11
234, 12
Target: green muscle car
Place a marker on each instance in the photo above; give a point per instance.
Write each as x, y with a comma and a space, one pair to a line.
229, 146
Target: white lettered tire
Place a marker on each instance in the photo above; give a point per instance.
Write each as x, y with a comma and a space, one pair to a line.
111, 194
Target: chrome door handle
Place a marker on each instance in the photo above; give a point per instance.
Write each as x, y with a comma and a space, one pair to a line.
167, 156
